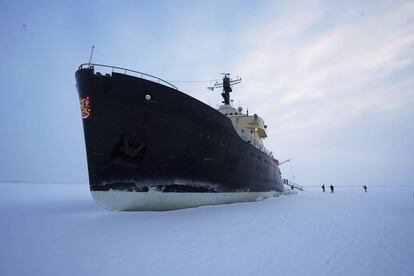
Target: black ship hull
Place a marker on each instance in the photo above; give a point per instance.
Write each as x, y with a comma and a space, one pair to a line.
163, 149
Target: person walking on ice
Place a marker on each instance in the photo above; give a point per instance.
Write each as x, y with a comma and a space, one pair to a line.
365, 188
332, 189
323, 187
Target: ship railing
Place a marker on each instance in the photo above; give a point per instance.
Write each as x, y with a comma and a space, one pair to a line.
120, 70
257, 145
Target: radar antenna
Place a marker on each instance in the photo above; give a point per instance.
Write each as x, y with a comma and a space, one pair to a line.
226, 85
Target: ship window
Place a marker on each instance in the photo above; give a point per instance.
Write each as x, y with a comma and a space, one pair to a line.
231, 113
251, 131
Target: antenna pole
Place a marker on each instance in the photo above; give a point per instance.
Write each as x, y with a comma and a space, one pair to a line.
90, 57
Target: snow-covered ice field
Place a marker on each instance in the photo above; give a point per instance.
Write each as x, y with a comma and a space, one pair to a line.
57, 229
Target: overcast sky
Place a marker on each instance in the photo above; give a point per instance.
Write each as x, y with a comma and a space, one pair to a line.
333, 80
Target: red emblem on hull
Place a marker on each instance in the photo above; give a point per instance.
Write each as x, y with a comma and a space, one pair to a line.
85, 104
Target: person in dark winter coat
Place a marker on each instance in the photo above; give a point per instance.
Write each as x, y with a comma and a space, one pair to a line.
365, 188
332, 189
323, 188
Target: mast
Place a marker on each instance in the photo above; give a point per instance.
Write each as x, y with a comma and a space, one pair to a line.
226, 85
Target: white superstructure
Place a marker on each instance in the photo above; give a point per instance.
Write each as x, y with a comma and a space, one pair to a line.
250, 128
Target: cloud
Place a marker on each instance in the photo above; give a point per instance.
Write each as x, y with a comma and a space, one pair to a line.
333, 80
332, 74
